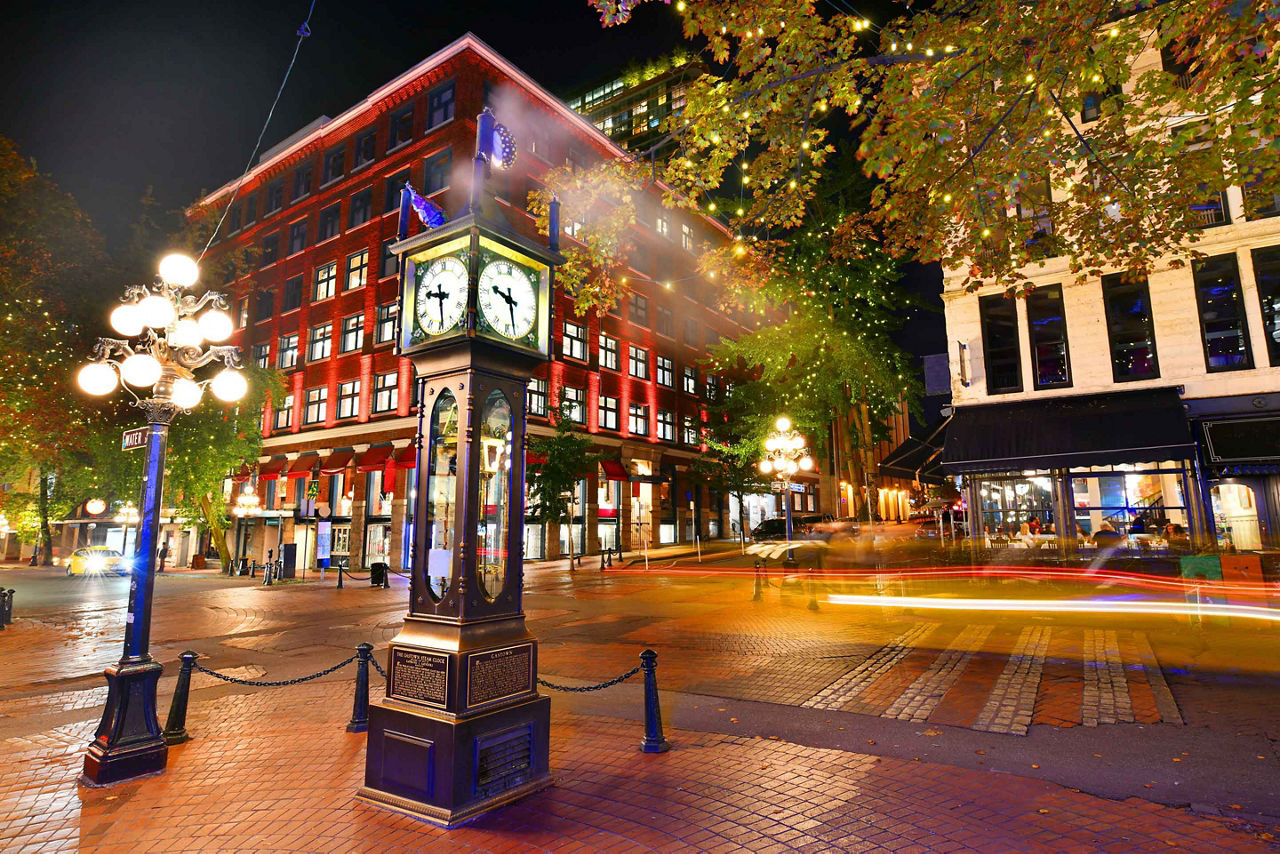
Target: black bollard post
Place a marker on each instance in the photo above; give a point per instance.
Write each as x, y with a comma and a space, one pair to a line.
360, 707
758, 596
8, 606
654, 741
340, 576
813, 592
602, 560
4, 608
611, 556
175, 728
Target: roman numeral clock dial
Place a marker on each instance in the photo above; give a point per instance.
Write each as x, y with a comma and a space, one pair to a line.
441, 296
507, 299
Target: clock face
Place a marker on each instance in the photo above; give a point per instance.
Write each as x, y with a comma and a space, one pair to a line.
442, 295
507, 298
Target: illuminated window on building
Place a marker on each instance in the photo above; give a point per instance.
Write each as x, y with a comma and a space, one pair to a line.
326, 281
638, 362
262, 354
1047, 330
440, 105
320, 342
608, 352
401, 130
689, 379
242, 312
270, 251
437, 171
536, 397
686, 236
330, 222
357, 269
666, 425
386, 328
360, 209
352, 333
689, 430
316, 405
301, 182
574, 342
662, 225
575, 399
1266, 272
334, 164
391, 192
1000, 345
665, 371
386, 392
607, 412
284, 413
288, 352
638, 419
349, 399
273, 199
364, 148
638, 310
665, 323
1129, 328
1222, 323
292, 297
712, 384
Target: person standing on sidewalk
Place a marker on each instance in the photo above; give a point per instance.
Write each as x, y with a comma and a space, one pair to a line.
164, 553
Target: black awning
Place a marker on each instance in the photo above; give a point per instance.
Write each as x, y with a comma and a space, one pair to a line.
918, 458
1066, 432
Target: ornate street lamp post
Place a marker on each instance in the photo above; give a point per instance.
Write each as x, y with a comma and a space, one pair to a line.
247, 505
168, 347
785, 454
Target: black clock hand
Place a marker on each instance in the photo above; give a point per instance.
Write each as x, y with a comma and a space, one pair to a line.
439, 293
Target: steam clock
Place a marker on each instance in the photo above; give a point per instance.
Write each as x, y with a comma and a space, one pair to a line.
462, 727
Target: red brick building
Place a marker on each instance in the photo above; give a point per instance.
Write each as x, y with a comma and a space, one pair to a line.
321, 209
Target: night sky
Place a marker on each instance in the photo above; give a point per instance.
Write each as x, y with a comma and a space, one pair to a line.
112, 98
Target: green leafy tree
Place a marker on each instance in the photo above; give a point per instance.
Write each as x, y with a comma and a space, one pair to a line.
735, 445
567, 458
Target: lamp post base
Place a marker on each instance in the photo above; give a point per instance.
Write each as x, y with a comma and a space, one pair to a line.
128, 742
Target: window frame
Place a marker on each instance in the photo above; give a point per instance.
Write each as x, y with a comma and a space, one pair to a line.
665, 365
385, 322
317, 399
451, 108
573, 341
282, 416
638, 414
990, 354
1118, 281
386, 396
1034, 341
320, 340
331, 280
607, 412
349, 269
608, 352
637, 362
352, 333
666, 425
288, 347
349, 399
1237, 298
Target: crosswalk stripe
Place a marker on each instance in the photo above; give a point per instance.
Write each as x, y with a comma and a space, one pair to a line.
1012, 700
1106, 692
920, 698
865, 674
1155, 678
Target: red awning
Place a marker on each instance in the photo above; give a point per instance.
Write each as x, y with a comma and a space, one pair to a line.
407, 457
337, 461
614, 470
375, 458
242, 475
303, 466
270, 470
532, 459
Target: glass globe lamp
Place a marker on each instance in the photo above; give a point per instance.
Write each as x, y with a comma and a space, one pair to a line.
140, 370
229, 386
127, 320
178, 269
215, 325
186, 393
97, 378
156, 311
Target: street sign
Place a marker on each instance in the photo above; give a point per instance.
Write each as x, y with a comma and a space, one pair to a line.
778, 486
135, 438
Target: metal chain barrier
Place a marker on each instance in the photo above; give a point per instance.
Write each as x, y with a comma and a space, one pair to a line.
585, 688
378, 667
260, 684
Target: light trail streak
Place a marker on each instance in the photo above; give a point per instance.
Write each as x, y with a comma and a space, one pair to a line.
1076, 606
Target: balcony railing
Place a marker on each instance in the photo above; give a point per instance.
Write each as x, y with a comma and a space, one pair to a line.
1213, 211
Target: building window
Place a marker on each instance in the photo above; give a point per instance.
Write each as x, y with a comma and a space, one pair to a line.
1266, 272
349, 399
357, 269
638, 419
288, 353
536, 397
270, 252
361, 208
665, 371
301, 182
326, 282
334, 165
608, 352
999, 316
689, 379
316, 405
386, 392
1129, 328
607, 412
390, 260
1047, 332
666, 425
250, 205
365, 151
263, 306
692, 335
352, 333
1222, 323
330, 222
292, 297
437, 171
273, 198
573, 398
574, 342
440, 105
320, 344
689, 430
713, 338
401, 130
242, 313
1034, 204
284, 413
392, 188
686, 236
386, 328
297, 236
262, 354
665, 324
712, 385
233, 219
662, 225
638, 310
638, 362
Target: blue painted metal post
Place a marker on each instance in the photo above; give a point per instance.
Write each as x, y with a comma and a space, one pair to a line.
654, 740
786, 501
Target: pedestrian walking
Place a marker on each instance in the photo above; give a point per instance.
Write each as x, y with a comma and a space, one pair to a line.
164, 553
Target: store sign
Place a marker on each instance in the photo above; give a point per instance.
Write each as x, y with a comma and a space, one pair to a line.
324, 539
135, 438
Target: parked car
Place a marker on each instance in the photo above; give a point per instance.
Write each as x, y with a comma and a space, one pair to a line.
845, 526
927, 529
807, 527
97, 560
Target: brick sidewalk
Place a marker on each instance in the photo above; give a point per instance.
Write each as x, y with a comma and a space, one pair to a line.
274, 770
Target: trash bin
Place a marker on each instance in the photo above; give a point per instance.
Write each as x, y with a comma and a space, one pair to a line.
378, 574
288, 560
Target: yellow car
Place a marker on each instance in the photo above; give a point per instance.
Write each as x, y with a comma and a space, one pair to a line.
97, 560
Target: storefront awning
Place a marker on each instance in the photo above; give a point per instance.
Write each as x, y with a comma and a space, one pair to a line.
1066, 432
270, 470
407, 457
303, 466
242, 475
375, 458
614, 470
337, 462
919, 458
